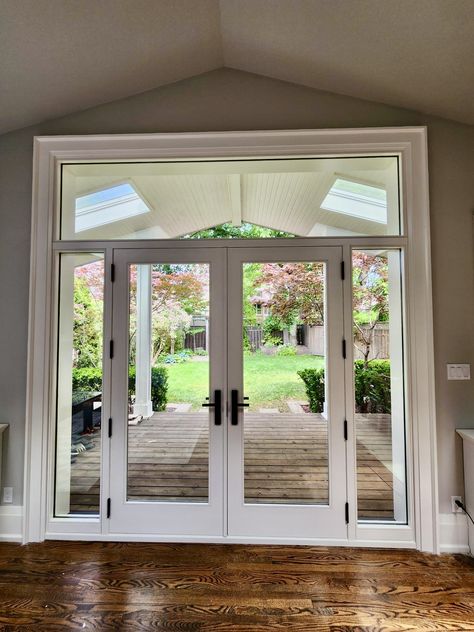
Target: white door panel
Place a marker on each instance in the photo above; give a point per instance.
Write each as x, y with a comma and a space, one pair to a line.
274, 473
166, 475
297, 459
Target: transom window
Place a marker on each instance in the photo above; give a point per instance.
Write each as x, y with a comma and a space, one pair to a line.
356, 196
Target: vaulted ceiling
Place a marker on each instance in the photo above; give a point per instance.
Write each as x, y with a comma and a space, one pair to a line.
59, 57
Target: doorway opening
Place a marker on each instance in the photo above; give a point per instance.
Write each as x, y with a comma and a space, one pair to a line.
231, 349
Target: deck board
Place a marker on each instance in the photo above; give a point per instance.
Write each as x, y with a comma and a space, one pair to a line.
286, 461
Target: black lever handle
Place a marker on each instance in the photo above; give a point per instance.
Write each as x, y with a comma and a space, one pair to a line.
217, 405
235, 405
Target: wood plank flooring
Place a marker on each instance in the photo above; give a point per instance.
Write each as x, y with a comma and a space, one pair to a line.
286, 461
119, 587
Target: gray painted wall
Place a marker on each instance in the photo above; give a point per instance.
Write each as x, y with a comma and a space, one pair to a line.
230, 100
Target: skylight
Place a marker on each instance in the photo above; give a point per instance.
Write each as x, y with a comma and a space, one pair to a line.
107, 206
357, 199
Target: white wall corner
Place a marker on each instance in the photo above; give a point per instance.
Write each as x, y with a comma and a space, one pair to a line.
11, 523
453, 533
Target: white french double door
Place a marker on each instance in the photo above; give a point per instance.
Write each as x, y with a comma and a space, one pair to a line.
250, 461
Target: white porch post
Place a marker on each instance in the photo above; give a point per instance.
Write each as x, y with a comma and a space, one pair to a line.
143, 405
397, 385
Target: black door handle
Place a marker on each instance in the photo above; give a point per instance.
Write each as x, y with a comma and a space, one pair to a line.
235, 405
217, 405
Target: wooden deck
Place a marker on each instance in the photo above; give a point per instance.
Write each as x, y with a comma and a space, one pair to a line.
285, 461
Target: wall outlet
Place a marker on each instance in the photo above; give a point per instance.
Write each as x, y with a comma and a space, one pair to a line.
454, 507
8, 494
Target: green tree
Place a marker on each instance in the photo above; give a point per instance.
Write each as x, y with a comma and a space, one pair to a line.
295, 292
370, 298
244, 231
169, 325
178, 291
87, 328
250, 275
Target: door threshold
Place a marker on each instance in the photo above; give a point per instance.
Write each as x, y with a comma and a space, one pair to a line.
164, 539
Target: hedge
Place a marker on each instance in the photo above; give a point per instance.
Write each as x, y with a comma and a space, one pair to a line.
87, 379
314, 382
90, 379
372, 387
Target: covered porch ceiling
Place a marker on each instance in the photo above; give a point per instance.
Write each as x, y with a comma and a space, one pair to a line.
305, 197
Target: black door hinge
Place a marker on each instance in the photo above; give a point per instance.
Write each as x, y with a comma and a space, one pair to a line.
343, 270
111, 349
112, 272
344, 349
108, 507
110, 427
347, 513
345, 430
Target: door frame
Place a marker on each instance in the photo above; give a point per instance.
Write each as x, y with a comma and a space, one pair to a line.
410, 144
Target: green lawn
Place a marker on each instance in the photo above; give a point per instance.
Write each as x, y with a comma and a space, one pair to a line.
269, 380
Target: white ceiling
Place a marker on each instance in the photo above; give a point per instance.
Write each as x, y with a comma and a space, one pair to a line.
63, 56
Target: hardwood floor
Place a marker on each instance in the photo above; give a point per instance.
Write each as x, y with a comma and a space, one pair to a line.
286, 461
213, 588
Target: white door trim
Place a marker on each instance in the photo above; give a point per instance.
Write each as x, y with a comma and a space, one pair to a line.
409, 143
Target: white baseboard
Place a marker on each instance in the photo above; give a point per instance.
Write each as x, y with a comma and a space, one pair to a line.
453, 529
453, 533
11, 523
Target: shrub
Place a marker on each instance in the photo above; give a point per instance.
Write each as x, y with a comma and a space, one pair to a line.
175, 358
271, 329
372, 387
273, 341
90, 379
159, 386
87, 379
314, 382
246, 340
286, 350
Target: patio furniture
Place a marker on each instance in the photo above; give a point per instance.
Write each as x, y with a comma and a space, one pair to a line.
83, 401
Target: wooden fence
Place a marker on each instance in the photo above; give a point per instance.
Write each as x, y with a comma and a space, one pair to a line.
196, 340
313, 338
380, 346
254, 335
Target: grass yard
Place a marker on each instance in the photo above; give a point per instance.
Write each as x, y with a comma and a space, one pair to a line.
269, 380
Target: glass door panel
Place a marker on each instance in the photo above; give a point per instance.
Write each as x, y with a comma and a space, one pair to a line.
168, 427
170, 442
79, 384
284, 360
379, 385
286, 442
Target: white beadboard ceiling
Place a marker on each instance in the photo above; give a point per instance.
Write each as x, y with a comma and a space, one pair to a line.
185, 197
62, 56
